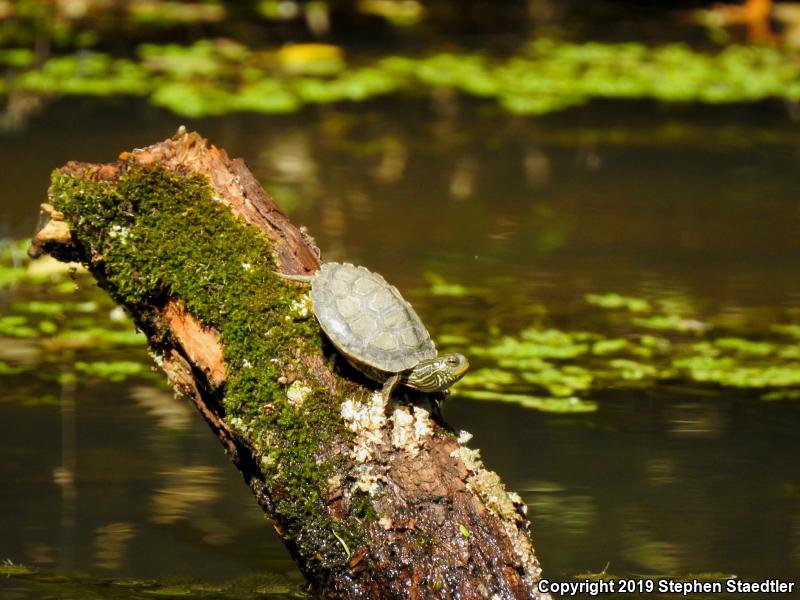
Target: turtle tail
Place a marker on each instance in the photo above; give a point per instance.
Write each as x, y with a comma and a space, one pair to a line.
300, 278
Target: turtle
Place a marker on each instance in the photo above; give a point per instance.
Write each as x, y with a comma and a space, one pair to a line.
377, 331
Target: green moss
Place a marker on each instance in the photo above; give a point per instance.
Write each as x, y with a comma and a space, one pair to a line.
162, 235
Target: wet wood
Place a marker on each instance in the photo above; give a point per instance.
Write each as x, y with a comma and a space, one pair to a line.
446, 527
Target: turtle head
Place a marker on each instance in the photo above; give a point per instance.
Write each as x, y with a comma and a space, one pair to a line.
438, 373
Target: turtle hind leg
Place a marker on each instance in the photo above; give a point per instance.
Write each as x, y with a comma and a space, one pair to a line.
389, 386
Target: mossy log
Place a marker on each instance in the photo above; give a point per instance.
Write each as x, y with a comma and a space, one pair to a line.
372, 501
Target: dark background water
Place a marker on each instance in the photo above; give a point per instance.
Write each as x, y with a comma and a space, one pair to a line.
697, 205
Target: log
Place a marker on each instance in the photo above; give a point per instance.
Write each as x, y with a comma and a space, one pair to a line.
372, 501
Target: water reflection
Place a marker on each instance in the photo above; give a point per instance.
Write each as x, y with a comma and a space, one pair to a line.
536, 166
696, 420
462, 178
647, 552
190, 493
338, 172
111, 545
661, 471
572, 514
64, 474
168, 411
393, 162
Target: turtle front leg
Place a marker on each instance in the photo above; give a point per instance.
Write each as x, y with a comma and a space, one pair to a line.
389, 386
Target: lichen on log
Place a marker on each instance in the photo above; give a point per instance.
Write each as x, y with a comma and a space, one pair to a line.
372, 501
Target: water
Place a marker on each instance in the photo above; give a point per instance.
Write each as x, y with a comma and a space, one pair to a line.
699, 206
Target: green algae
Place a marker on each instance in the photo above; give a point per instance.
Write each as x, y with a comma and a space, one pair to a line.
13, 261
214, 77
119, 370
536, 343
439, 286
86, 74
542, 403
9, 569
541, 365
614, 301
17, 57
17, 326
45, 583
167, 14
671, 322
610, 346
7, 369
632, 370
162, 235
38, 330
98, 337
743, 346
538, 364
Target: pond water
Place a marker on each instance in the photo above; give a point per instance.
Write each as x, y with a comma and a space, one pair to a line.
698, 206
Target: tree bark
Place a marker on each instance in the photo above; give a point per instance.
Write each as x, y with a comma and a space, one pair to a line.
372, 501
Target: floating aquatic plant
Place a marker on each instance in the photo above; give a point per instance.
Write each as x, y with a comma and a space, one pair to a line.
213, 77
552, 369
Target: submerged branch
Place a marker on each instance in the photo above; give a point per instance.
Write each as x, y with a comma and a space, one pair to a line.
372, 501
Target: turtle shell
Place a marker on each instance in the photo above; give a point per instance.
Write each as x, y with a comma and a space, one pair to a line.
367, 319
